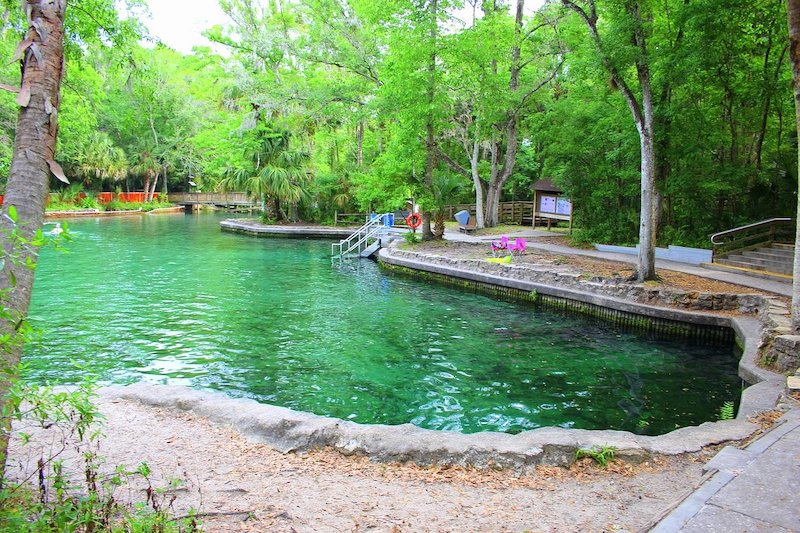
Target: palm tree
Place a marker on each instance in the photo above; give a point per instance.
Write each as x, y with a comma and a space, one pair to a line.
148, 166
100, 160
277, 175
444, 187
285, 178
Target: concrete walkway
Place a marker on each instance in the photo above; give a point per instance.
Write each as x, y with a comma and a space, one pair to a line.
753, 489
777, 287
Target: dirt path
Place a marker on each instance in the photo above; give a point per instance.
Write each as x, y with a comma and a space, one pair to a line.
224, 473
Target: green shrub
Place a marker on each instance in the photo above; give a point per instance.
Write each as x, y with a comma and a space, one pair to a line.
58, 206
88, 202
601, 455
411, 237
116, 205
54, 499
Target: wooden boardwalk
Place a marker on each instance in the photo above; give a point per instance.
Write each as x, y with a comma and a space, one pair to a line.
230, 199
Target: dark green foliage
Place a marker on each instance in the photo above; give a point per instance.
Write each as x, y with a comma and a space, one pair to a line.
725, 140
347, 89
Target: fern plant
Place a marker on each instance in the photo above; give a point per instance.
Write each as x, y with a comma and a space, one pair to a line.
726, 411
601, 455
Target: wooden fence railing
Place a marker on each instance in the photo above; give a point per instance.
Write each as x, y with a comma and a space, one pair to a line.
510, 212
752, 236
212, 198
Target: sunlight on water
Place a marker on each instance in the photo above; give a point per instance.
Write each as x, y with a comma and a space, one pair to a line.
172, 299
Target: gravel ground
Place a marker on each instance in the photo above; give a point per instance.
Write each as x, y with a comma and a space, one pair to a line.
244, 486
587, 266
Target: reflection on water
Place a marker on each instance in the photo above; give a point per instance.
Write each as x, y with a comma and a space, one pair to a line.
172, 299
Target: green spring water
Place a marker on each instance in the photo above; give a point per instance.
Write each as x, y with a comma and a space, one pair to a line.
172, 299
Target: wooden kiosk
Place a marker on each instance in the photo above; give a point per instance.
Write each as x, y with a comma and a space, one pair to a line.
549, 204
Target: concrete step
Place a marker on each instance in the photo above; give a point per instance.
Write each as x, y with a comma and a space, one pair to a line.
756, 265
763, 274
371, 249
767, 264
771, 253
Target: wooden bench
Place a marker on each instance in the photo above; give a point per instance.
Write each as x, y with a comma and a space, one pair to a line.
469, 228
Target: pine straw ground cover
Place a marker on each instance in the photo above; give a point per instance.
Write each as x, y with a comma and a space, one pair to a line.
233, 484
588, 267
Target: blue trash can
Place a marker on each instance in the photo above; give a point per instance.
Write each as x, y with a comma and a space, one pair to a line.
388, 220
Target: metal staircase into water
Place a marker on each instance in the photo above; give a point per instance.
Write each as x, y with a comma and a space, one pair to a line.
366, 240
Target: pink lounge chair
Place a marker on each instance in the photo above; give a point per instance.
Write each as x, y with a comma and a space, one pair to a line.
502, 244
519, 245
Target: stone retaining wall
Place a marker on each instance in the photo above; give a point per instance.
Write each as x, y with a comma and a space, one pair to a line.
776, 347
634, 292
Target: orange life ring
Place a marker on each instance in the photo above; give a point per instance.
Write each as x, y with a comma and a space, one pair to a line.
414, 220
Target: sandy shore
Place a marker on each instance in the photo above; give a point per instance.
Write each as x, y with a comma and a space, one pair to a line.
244, 486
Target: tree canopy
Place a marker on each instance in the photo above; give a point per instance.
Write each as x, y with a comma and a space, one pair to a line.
352, 105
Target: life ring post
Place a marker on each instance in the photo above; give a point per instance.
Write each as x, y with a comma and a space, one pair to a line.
414, 220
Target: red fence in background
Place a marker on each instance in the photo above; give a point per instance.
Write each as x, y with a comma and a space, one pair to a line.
137, 197
107, 197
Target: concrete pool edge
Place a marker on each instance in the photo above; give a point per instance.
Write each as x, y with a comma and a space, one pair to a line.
292, 431
287, 430
256, 229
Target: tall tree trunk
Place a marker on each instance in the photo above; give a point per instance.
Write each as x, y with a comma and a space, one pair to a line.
430, 140
476, 181
642, 117
647, 220
493, 193
32, 162
360, 143
770, 84
150, 193
164, 189
500, 176
647, 226
793, 15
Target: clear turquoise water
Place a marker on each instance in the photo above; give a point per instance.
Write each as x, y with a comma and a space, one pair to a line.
172, 299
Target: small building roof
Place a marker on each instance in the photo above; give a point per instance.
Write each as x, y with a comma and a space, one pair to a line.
545, 185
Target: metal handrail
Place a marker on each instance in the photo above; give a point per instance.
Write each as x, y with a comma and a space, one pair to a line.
354, 235
372, 228
376, 232
748, 226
